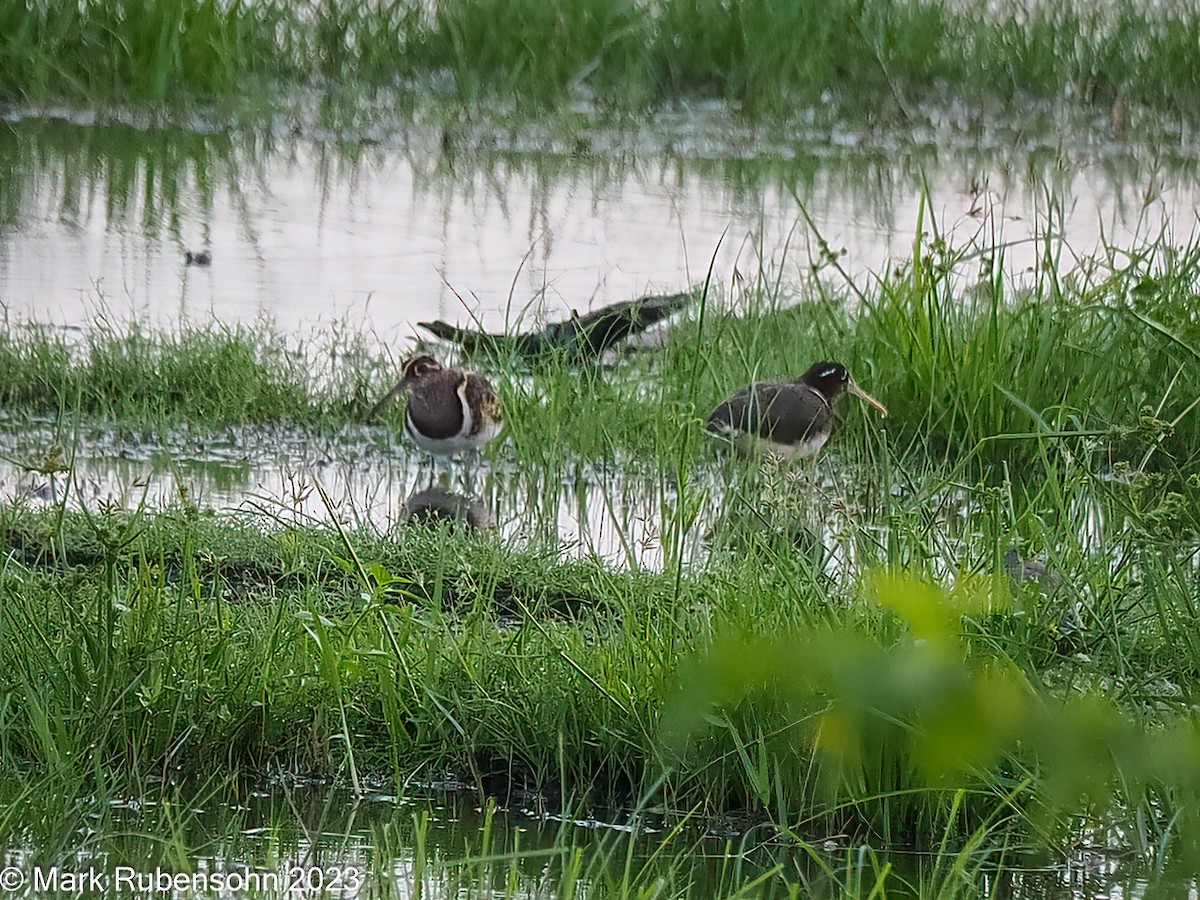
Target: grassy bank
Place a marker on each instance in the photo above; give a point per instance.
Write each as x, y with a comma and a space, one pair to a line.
767, 59
758, 690
904, 688
983, 366
207, 376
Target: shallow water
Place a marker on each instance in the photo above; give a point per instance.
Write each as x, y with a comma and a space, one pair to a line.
296, 838
504, 228
620, 513
516, 227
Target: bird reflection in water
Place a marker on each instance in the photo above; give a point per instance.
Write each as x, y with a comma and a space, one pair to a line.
433, 505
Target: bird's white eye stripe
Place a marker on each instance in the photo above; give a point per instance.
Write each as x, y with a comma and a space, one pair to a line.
827, 373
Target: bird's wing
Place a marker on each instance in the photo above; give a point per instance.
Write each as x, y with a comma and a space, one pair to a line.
588, 335
477, 341
782, 412
435, 408
481, 395
605, 327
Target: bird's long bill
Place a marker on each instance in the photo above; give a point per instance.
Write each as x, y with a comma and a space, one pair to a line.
858, 392
401, 385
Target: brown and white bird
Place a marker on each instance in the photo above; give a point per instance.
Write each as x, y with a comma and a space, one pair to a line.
787, 419
449, 410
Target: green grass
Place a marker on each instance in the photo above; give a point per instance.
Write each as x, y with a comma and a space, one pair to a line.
885, 708
982, 367
866, 697
137, 49
206, 376
986, 370
769, 59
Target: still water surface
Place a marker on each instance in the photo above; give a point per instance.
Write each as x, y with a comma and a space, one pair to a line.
377, 235
291, 839
385, 235
95, 220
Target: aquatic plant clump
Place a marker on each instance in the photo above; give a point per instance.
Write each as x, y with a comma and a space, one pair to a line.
768, 59
199, 375
890, 709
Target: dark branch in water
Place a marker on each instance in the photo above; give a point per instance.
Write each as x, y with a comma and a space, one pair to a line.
580, 338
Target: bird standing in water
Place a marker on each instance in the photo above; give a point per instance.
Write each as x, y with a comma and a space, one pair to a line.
449, 410
790, 419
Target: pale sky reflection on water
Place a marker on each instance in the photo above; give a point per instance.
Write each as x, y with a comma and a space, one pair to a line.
384, 244
383, 238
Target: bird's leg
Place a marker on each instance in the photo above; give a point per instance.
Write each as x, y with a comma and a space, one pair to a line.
806, 475
443, 469
788, 498
427, 466
471, 461
740, 508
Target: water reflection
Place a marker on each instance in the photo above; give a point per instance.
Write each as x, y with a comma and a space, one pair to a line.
418, 841
434, 504
371, 479
624, 513
411, 228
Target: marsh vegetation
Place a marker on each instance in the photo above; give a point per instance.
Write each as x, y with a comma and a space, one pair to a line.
858, 60
849, 659
955, 655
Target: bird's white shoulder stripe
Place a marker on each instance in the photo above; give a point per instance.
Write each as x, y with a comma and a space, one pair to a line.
468, 418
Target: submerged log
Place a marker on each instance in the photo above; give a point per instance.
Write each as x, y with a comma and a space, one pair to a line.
583, 337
